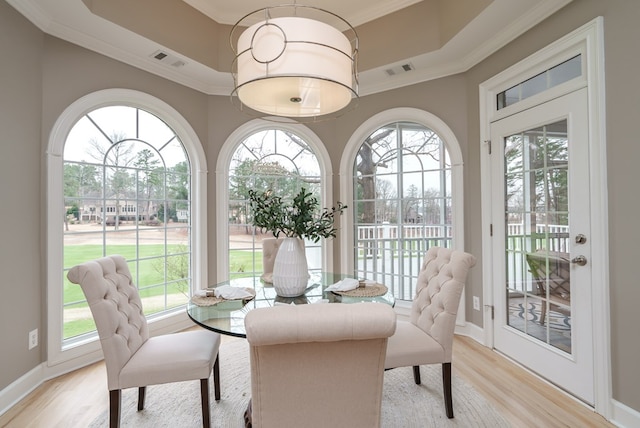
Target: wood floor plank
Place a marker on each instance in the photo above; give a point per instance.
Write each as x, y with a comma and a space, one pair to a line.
521, 397
77, 398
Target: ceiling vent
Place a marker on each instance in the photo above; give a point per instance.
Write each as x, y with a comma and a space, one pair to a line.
168, 59
399, 69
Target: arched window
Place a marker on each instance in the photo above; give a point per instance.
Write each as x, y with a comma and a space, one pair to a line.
127, 186
402, 191
282, 158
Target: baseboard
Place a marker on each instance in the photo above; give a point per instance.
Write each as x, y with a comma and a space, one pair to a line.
621, 415
16, 391
471, 330
624, 416
21, 387
24, 385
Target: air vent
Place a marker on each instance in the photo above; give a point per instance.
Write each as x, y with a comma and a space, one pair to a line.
168, 59
399, 69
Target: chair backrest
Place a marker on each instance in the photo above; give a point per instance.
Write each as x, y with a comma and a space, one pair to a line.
270, 248
116, 308
440, 284
551, 270
318, 365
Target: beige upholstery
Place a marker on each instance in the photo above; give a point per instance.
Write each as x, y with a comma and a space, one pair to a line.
427, 338
270, 248
132, 358
318, 365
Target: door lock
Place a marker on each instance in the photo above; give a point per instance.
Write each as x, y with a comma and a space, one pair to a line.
580, 238
580, 260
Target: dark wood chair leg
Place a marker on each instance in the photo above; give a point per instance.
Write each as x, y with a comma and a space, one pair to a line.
114, 408
416, 374
216, 378
247, 416
141, 393
204, 395
446, 386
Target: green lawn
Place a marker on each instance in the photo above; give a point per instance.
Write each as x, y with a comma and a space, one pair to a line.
148, 274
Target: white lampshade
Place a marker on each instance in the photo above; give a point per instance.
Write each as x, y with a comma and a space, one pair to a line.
294, 67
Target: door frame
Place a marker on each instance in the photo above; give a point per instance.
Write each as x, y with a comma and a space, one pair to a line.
587, 41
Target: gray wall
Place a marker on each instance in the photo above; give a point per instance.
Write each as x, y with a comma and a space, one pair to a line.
41, 75
21, 259
622, 33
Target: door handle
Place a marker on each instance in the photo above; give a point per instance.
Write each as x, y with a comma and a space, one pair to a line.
579, 260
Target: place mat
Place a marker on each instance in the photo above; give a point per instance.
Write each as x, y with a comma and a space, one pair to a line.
213, 300
373, 290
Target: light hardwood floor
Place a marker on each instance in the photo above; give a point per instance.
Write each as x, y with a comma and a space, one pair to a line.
77, 398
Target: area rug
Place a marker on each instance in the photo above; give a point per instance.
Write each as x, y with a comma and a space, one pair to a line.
404, 404
556, 331
556, 320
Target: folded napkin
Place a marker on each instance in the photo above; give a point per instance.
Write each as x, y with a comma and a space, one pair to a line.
231, 293
344, 285
226, 292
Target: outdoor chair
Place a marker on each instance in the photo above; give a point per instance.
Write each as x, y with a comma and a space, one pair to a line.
552, 275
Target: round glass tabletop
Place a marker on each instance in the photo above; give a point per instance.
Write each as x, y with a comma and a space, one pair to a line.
227, 316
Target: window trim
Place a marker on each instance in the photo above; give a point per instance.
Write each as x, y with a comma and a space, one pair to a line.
402, 114
222, 183
89, 350
429, 120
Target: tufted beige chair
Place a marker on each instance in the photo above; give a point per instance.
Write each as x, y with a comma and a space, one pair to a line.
318, 365
132, 358
270, 248
427, 338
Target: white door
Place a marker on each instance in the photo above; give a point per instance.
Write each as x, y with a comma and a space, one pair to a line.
541, 241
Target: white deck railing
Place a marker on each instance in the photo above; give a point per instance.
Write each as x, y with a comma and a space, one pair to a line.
392, 254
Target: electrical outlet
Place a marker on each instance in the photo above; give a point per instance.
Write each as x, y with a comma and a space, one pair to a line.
33, 338
476, 303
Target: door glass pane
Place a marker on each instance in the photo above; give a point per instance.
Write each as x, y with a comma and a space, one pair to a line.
538, 292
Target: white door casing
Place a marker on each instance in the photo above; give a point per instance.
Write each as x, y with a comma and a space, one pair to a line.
588, 42
571, 369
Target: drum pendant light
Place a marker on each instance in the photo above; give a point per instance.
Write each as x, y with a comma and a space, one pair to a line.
294, 66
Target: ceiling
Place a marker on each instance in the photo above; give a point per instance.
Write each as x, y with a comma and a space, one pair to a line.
357, 12
435, 38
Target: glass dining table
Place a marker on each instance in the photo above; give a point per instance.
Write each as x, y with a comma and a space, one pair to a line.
227, 316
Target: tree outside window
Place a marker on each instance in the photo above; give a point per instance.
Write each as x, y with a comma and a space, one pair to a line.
402, 203
126, 191
275, 160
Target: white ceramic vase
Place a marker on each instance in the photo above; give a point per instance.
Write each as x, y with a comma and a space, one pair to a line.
290, 269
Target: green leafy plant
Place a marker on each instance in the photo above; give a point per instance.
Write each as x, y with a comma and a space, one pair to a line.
301, 219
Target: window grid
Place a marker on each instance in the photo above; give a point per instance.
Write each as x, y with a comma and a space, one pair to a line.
276, 160
539, 83
126, 178
402, 204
